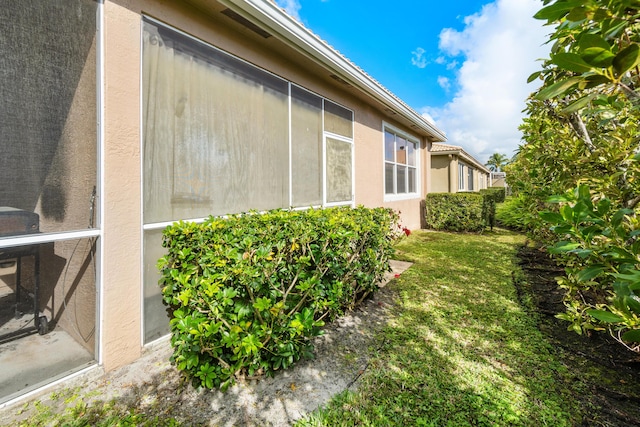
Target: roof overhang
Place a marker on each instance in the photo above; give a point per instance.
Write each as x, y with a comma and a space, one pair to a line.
267, 15
468, 158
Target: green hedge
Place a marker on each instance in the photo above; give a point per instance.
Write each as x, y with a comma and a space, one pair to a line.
500, 193
455, 211
248, 292
491, 197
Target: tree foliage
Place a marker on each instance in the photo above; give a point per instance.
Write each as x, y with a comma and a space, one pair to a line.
581, 142
497, 162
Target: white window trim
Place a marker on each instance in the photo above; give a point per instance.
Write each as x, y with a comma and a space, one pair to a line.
346, 139
461, 176
408, 137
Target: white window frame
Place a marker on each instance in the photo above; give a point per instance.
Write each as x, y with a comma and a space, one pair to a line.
410, 138
470, 179
337, 137
325, 135
461, 176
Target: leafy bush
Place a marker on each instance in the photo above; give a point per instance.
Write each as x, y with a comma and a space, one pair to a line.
490, 198
499, 193
248, 292
581, 131
455, 211
600, 249
515, 214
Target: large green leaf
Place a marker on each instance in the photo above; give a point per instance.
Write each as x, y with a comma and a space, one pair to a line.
579, 14
631, 336
589, 273
534, 76
587, 41
571, 61
595, 80
578, 104
557, 10
633, 303
558, 88
552, 217
598, 57
626, 59
562, 247
605, 316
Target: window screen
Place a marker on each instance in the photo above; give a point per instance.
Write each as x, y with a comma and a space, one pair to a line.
209, 120
306, 148
48, 111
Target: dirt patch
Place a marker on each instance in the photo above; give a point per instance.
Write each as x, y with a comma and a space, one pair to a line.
605, 374
151, 385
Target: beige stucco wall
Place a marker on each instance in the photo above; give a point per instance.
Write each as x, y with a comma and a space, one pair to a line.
121, 260
122, 250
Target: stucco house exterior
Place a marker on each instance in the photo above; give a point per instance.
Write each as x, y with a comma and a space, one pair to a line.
454, 170
119, 117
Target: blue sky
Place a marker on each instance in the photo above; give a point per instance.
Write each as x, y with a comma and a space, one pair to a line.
463, 64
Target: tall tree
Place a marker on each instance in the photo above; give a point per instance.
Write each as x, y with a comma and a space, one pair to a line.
582, 134
497, 162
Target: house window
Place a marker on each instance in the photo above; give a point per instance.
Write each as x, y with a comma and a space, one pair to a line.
400, 164
470, 175
222, 136
460, 176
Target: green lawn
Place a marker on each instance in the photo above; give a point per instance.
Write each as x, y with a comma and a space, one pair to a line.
459, 349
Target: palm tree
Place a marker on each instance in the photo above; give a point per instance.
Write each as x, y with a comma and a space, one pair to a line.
496, 162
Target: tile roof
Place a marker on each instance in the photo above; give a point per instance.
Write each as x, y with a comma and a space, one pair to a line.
435, 147
448, 148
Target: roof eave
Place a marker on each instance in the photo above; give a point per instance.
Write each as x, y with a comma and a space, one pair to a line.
465, 156
291, 32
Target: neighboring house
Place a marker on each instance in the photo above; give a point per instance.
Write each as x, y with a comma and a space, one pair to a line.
454, 170
119, 117
498, 179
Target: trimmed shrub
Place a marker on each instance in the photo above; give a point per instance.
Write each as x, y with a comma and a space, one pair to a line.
515, 214
455, 211
490, 198
247, 293
500, 193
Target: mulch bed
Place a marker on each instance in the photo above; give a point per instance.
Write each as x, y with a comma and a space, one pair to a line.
605, 374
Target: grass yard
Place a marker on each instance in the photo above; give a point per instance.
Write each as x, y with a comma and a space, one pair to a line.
459, 349
465, 344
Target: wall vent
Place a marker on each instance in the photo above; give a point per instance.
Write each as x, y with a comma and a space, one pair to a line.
245, 22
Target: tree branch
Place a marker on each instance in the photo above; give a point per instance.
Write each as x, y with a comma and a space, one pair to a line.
579, 127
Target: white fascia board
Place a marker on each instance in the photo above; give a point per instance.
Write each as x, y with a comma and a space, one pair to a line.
273, 19
472, 160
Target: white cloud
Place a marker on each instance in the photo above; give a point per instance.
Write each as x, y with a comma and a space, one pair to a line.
498, 49
451, 65
444, 82
418, 59
292, 7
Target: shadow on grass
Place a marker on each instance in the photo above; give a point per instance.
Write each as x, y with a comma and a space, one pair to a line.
459, 349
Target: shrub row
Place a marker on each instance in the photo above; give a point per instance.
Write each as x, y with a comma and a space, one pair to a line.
247, 293
490, 198
463, 211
